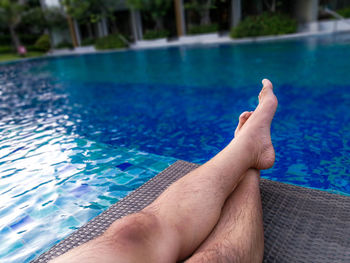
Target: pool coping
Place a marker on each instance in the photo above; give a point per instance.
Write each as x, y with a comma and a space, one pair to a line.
186, 41
300, 224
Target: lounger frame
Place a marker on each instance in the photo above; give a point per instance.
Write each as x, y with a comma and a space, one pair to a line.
300, 224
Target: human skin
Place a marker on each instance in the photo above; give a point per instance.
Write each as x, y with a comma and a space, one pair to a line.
239, 234
182, 217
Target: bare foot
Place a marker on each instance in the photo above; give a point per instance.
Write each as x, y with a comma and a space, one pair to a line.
254, 128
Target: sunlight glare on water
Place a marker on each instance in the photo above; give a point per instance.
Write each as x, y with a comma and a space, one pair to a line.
78, 133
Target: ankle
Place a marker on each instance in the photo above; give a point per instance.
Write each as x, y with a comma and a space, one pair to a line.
248, 148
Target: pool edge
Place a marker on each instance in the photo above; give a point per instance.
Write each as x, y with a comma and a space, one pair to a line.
287, 209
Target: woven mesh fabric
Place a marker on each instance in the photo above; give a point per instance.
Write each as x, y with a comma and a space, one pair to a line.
300, 224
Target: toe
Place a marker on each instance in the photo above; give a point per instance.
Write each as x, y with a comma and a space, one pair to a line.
242, 119
244, 116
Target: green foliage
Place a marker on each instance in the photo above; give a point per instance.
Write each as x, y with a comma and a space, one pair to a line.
34, 18
27, 16
5, 49
77, 9
154, 34
43, 43
201, 9
90, 11
5, 40
88, 42
156, 8
39, 19
263, 25
33, 48
114, 41
64, 45
11, 12
199, 6
273, 5
28, 39
55, 18
202, 29
14, 56
17, 13
345, 12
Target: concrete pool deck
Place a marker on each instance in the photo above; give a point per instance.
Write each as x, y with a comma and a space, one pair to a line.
208, 39
204, 39
300, 224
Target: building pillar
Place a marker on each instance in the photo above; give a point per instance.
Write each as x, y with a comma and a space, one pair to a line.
136, 24
180, 17
99, 28
236, 12
306, 10
104, 27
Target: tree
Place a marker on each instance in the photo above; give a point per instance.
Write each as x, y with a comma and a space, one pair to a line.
272, 5
34, 19
90, 11
10, 14
157, 9
202, 7
55, 18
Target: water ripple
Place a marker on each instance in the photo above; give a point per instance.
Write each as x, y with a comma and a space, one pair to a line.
79, 133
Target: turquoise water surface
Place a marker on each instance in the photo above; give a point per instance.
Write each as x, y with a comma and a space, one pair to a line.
78, 133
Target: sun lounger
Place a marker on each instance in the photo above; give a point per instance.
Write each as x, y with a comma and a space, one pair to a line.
301, 224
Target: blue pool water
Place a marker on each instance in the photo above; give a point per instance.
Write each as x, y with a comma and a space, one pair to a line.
80, 132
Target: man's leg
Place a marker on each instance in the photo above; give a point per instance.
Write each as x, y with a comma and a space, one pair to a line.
177, 222
239, 234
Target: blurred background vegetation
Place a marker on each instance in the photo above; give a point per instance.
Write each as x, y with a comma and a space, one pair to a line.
33, 24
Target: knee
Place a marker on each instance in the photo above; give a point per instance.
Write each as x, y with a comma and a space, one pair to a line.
133, 230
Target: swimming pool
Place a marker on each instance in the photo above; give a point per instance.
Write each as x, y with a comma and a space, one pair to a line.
80, 132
